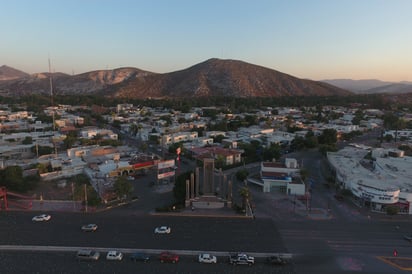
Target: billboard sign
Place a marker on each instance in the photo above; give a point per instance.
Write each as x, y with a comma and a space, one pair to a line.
165, 175
166, 164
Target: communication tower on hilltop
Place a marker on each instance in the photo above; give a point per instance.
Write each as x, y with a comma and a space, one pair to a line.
51, 85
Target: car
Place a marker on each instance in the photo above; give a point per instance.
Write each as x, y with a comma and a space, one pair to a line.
276, 260
168, 257
162, 230
89, 228
41, 218
140, 257
408, 237
339, 197
242, 259
207, 258
88, 254
114, 255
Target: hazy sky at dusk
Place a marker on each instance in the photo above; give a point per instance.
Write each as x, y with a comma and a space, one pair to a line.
316, 39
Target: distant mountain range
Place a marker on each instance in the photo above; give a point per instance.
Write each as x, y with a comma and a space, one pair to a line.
372, 86
214, 77
8, 73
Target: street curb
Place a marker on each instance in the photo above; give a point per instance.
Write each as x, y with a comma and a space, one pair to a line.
180, 214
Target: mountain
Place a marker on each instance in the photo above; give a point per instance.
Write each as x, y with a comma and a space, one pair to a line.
8, 73
86, 83
216, 77
394, 88
371, 86
213, 77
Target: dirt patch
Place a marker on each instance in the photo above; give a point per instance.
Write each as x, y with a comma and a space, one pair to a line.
52, 190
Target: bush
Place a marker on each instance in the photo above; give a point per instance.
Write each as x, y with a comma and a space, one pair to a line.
392, 210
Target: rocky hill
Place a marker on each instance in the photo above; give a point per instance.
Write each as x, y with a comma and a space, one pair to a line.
8, 73
213, 77
86, 83
216, 77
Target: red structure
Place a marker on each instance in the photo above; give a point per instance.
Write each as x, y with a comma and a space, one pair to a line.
8, 198
3, 198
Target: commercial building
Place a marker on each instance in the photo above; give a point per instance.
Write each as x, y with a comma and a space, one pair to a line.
376, 180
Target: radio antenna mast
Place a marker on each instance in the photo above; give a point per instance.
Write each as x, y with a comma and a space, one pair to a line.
51, 93
51, 84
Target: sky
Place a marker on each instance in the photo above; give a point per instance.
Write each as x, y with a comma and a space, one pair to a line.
311, 39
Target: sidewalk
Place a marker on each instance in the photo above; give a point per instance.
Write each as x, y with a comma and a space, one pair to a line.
57, 205
199, 212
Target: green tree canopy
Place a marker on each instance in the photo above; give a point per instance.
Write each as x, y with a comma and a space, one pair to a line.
122, 187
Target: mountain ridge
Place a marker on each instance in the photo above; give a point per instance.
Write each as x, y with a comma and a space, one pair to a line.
371, 86
213, 77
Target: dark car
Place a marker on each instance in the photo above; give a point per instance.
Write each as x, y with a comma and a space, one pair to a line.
276, 260
140, 257
89, 228
339, 197
168, 257
408, 237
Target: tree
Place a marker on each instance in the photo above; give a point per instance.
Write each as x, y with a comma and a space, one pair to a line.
27, 141
218, 138
245, 194
298, 143
122, 187
179, 190
242, 174
133, 129
311, 140
69, 141
392, 210
358, 117
304, 174
12, 178
328, 137
272, 152
42, 150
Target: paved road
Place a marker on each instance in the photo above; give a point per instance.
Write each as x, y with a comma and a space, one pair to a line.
348, 242
65, 263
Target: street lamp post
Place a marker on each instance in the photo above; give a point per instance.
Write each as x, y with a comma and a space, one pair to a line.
85, 196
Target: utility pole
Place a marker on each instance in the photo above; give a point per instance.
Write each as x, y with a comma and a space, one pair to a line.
85, 196
74, 203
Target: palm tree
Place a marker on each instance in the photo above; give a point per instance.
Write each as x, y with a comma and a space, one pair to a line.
245, 194
133, 129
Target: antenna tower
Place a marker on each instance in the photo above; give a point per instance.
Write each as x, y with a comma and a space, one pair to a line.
51, 84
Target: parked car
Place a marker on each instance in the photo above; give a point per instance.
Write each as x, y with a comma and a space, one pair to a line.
241, 258
207, 258
276, 260
41, 218
162, 230
140, 257
87, 254
114, 255
89, 228
168, 257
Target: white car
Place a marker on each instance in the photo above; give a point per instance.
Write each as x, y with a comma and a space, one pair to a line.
207, 258
89, 228
162, 230
41, 218
114, 255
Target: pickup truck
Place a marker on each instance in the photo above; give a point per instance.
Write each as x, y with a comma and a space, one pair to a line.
241, 258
